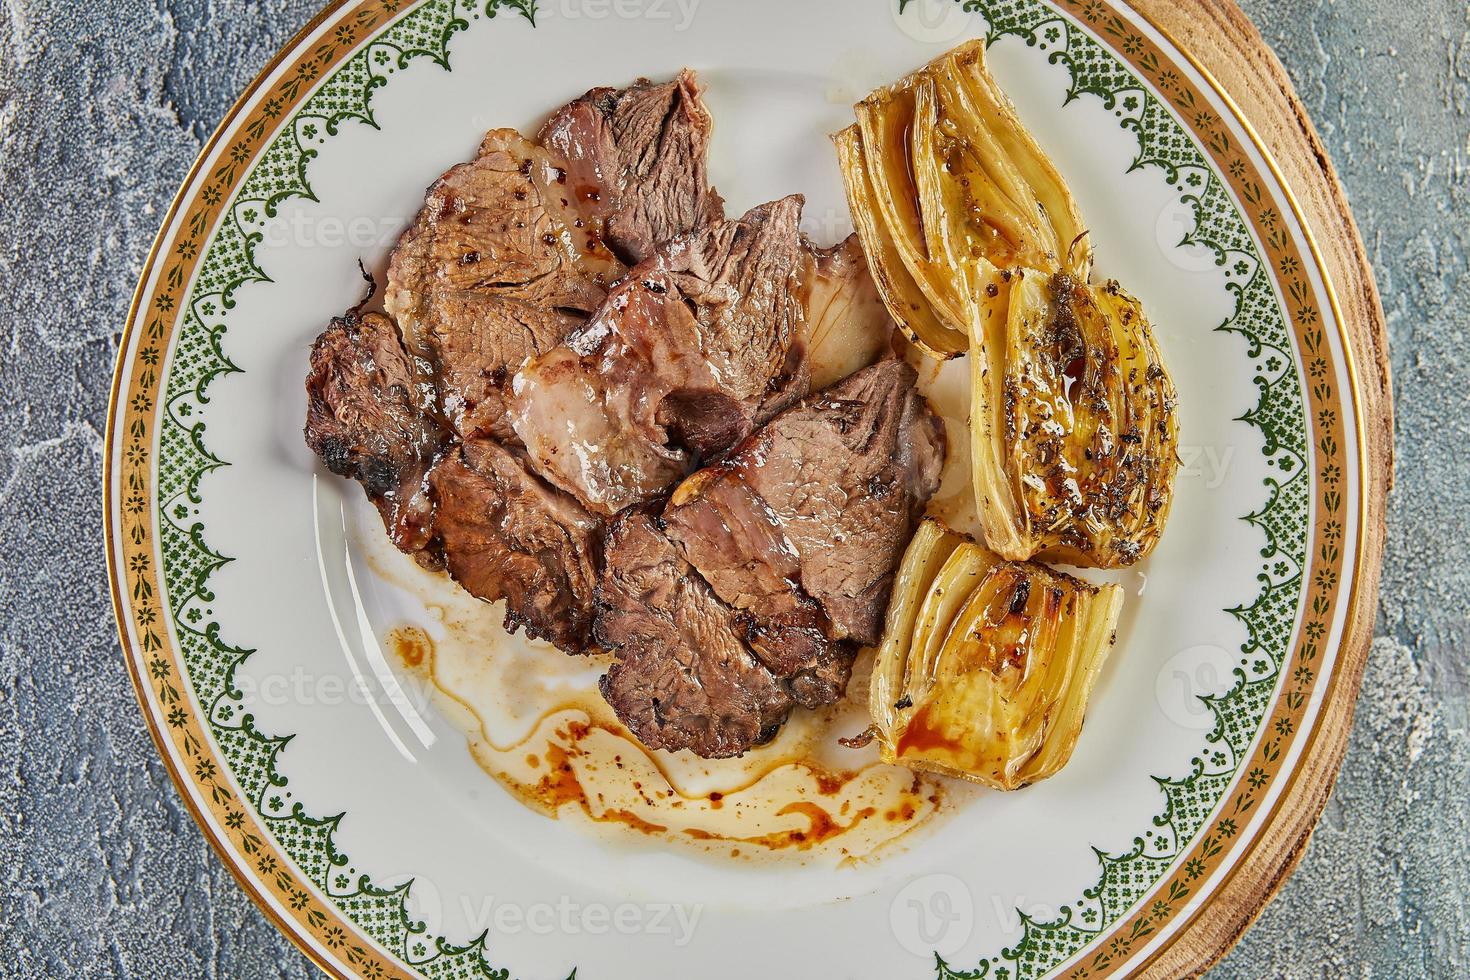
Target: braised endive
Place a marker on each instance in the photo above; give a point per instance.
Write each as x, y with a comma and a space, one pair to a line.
978, 248
947, 188
986, 665
1073, 424
907, 302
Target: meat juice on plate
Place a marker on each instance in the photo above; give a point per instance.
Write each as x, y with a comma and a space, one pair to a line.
535, 722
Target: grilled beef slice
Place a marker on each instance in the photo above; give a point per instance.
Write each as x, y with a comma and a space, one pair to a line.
508, 535
736, 543
697, 346
763, 573
493, 271
636, 162
684, 678
818, 505
369, 416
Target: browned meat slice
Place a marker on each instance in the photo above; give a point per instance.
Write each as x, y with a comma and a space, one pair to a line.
507, 535
819, 504
496, 269
684, 678
694, 349
636, 162
369, 417
737, 544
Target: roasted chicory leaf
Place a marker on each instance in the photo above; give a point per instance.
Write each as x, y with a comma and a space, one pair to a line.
906, 300
987, 665
1074, 430
943, 178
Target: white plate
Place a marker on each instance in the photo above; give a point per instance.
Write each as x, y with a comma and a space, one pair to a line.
341, 785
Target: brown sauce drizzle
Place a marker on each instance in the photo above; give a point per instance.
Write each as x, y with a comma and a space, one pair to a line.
829, 805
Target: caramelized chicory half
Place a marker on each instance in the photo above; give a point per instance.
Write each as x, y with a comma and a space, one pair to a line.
986, 665
947, 188
892, 268
1074, 429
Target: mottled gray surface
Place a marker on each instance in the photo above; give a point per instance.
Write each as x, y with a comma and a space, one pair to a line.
1384, 890
102, 872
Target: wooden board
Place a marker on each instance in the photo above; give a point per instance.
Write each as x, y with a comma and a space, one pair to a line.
1227, 48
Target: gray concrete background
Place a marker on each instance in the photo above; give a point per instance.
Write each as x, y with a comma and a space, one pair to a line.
103, 106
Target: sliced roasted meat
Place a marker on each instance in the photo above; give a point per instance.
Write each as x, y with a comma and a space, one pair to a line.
636, 162
818, 505
753, 588
497, 268
369, 416
684, 678
696, 347
737, 544
508, 535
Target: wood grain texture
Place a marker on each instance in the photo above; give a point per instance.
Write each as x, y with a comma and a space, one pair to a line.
1223, 43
